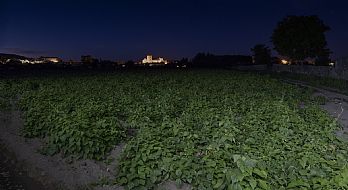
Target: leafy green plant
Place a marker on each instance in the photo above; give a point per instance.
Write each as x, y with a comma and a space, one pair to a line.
321, 100
210, 129
340, 85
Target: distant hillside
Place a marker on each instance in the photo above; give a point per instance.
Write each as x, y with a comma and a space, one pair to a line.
11, 56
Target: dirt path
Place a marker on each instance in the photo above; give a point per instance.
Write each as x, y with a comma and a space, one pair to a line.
49, 172
336, 105
12, 176
22, 166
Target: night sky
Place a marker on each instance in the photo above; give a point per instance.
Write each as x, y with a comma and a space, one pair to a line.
122, 30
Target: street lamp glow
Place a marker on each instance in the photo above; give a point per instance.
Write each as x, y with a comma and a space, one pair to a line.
285, 62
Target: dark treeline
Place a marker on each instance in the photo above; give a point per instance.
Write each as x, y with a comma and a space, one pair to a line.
201, 60
219, 61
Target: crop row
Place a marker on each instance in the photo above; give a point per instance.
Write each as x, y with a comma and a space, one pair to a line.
210, 129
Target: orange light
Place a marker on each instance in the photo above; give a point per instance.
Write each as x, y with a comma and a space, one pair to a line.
285, 62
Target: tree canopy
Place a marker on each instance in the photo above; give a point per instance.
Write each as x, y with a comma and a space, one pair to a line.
261, 54
301, 37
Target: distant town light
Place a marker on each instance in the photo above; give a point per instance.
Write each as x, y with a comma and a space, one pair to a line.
332, 64
285, 62
50, 59
149, 59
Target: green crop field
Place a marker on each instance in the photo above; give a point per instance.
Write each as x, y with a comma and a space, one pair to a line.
210, 129
340, 85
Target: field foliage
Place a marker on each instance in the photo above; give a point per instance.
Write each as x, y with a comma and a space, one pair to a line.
210, 129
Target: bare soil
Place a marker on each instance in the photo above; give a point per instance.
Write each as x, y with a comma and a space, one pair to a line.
12, 176
50, 172
22, 166
336, 105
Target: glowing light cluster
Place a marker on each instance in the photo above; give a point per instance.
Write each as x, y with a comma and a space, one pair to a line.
149, 60
285, 62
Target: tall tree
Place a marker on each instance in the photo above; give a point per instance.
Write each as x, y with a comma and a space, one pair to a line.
301, 37
261, 54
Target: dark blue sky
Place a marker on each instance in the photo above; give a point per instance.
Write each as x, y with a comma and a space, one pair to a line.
121, 30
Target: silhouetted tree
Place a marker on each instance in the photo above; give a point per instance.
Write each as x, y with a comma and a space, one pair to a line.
219, 61
129, 64
323, 61
301, 37
182, 62
89, 62
106, 63
261, 54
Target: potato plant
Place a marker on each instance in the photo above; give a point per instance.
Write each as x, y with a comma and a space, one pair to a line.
210, 129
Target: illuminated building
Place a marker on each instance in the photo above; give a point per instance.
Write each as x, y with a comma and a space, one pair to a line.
149, 60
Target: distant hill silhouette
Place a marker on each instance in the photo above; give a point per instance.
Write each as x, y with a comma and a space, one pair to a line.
12, 56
